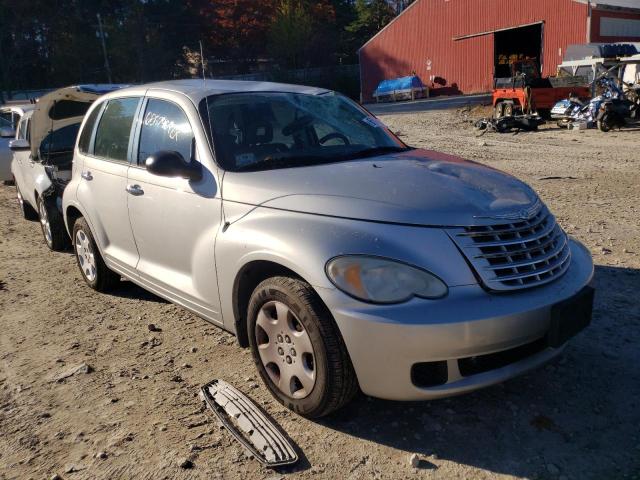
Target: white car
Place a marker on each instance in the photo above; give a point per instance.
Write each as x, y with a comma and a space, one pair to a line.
43, 153
344, 258
9, 120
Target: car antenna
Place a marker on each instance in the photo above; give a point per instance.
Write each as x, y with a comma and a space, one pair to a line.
204, 76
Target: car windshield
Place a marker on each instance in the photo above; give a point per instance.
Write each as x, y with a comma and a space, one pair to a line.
6, 120
261, 131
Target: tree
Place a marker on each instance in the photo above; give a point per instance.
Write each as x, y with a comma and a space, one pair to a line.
301, 33
290, 32
371, 17
236, 29
400, 5
48, 44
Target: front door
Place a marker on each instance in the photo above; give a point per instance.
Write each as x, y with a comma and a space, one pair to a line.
102, 190
175, 220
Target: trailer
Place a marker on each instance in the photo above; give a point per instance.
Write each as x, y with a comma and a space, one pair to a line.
527, 92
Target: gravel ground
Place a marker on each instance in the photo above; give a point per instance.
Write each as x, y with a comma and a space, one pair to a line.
136, 414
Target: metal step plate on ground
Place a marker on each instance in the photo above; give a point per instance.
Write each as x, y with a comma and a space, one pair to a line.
248, 424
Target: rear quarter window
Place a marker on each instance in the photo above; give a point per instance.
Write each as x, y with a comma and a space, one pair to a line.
84, 143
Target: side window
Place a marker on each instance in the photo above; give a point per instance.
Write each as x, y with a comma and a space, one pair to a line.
22, 129
85, 136
114, 129
164, 127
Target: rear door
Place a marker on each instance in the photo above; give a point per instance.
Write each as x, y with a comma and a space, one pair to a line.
102, 189
175, 220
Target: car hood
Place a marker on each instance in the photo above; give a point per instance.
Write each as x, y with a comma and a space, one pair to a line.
416, 187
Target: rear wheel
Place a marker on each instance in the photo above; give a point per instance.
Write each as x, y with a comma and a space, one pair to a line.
499, 110
92, 267
604, 123
28, 212
52, 225
298, 349
509, 109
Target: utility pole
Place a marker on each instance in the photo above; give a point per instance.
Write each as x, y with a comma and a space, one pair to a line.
104, 48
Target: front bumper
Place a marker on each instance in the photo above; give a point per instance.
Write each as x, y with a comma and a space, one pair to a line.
385, 342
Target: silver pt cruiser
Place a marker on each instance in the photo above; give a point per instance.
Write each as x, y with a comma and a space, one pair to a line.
345, 259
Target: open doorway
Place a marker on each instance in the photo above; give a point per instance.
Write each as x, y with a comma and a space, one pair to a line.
515, 45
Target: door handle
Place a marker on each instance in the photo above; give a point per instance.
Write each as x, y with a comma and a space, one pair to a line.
135, 190
86, 175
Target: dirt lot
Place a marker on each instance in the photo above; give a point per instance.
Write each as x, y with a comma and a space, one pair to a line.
578, 418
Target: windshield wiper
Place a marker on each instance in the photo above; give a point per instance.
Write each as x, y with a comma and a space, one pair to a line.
375, 151
281, 162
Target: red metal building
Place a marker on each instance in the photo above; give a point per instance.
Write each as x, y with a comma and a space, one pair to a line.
460, 45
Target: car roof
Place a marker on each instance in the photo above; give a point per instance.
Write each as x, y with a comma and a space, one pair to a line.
197, 89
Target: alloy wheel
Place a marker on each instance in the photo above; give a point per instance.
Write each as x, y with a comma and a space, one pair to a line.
45, 223
285, 350
85, 255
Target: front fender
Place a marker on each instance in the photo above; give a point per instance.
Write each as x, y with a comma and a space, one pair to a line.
304, 243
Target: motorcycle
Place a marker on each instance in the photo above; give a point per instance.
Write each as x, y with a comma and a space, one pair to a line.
573, 109
608, 110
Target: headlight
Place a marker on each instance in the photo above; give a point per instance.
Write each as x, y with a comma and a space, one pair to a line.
379, 280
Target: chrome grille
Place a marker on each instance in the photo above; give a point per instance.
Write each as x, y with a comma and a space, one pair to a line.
521, 254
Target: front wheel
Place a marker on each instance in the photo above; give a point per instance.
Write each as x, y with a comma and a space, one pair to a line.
298, 349
92, 267
52, 226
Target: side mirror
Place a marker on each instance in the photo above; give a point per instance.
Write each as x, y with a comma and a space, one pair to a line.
167, 163
7, 132
19, 144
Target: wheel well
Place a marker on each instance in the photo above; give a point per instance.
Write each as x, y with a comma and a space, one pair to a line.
73, 214
245, 283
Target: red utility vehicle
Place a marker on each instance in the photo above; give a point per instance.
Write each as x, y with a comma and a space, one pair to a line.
527, 92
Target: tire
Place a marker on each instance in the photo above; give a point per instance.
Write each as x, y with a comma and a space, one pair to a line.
320, 375
498, 111
52, 224
509, 109
28, 212
92, 267
603, 124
